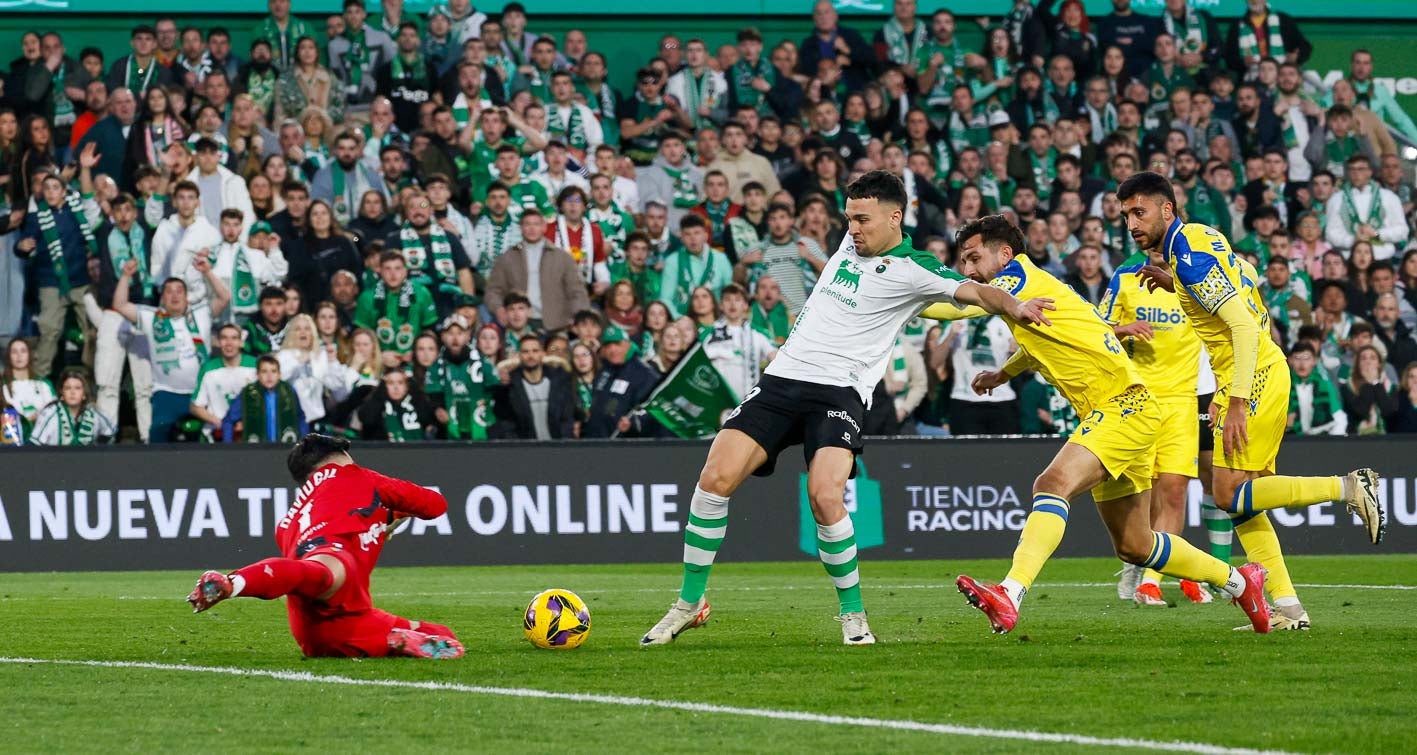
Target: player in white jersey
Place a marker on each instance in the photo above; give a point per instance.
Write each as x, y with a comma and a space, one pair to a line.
815, 393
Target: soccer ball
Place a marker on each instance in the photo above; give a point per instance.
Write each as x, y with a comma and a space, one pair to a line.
557, 620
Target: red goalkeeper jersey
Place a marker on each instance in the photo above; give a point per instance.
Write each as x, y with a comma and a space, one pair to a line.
343, 510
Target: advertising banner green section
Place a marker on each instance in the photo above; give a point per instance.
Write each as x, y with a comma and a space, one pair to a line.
1389, 9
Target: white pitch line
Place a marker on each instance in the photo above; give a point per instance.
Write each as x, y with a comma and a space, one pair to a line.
756, 588
692, 707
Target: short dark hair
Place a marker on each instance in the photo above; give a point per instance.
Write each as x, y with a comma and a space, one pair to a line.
691, 221
1148, 184
392, 255
514, 298
272, 292
733, 289
232, 213
267, 359
185, 185
497, 186
880, 185
993, 230
1303, 347
310, 451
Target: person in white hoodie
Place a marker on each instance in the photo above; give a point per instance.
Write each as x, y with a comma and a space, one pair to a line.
310, 369
220, 189
181, 235
245, 269
1364, 211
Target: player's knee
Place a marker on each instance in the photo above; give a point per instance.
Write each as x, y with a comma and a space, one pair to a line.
1224, 493
714, 479
1050, 482
828, 503
1172, 490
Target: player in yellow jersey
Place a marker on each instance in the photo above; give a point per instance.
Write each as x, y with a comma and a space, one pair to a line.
1111, 452
1158, 337
1249, 411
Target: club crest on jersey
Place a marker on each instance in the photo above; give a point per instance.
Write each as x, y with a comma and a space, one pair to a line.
1213, 290
1010, 283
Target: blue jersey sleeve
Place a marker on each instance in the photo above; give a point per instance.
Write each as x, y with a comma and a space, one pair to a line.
1202, 270
1012, 278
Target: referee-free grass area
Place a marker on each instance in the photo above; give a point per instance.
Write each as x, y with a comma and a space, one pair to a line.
1081, 662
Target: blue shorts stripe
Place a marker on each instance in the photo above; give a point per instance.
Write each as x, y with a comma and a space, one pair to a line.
1051, 508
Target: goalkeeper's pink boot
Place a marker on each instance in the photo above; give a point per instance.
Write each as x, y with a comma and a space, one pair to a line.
212, 588
416, 644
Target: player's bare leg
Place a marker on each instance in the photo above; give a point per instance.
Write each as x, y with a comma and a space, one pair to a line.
1168, 514
317, 577
1136, 541
1072, 471
836, 538
731, 459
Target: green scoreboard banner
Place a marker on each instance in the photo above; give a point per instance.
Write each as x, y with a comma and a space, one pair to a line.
1375, 9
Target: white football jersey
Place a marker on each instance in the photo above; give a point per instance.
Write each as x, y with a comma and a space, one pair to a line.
844, 333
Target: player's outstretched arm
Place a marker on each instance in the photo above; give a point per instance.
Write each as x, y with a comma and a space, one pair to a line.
995, 300
946, 312
408, 499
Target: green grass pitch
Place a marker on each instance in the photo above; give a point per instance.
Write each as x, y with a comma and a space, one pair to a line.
1080, 663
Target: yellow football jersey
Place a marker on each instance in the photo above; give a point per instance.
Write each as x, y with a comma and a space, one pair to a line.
1170, 361
1079, 354
1211, 274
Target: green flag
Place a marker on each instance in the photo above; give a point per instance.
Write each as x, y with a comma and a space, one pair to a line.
693, 399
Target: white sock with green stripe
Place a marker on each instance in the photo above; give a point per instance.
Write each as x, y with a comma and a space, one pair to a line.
708, 521
836, 546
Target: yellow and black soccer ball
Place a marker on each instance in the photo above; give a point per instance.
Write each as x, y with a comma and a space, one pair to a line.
557, 620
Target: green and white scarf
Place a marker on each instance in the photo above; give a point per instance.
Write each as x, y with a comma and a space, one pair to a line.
262, 88
1103, 123
464, 391
491, 245
899, 372
1250, 45
717, 218
694, 95
1337, 151
417, 256
63, 106
565, 121
901, 48
137, 78
82, 433
167, 351
741, 75
615, 225
394, 335
341, 186
253, 414
415, 72
401, 420
130, 246
950, 73
775, 323
1375, 210
49, 230
462, 114
357, 59
1192, 36
1051, 113
244, 296
1045, 170
686, 285
686, 194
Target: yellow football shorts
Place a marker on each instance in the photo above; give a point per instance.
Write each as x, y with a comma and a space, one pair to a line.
1267, 418
1178, 439
1122, 435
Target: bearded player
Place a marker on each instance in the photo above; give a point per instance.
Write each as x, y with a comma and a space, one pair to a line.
816, 392
1251, 401
330, 541
1111, 453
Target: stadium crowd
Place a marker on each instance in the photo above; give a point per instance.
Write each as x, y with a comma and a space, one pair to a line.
449, 225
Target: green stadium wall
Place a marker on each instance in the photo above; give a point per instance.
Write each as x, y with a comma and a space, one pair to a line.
626, 39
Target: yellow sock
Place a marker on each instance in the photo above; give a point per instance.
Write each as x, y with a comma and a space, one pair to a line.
1042, 532
1262, 546
1151, 575
1278, 492
1172, 555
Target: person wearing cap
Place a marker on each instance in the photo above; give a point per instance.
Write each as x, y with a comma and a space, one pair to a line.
459, 382
395, 308
624, 382
220, 188
140, 70
537, 402
647, 117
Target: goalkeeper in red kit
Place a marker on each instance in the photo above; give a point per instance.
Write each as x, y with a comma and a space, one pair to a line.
330, 541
